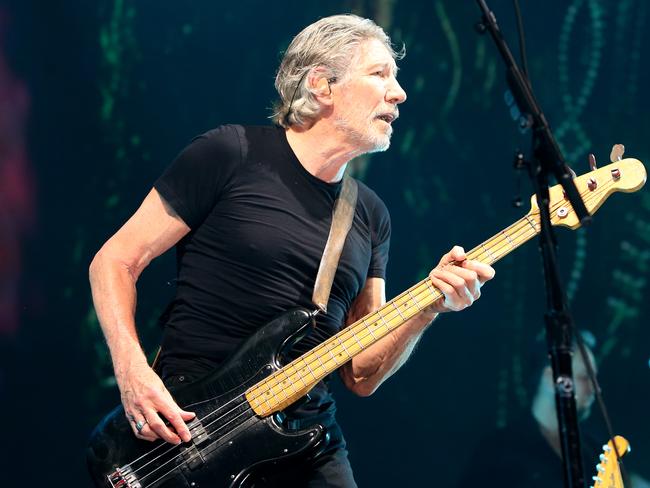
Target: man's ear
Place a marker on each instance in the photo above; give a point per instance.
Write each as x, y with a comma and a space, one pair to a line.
323, 87
319, 85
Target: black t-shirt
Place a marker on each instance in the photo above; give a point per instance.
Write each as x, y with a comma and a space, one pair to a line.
259, 222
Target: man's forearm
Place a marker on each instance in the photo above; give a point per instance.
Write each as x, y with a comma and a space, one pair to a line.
370, 368
114, 297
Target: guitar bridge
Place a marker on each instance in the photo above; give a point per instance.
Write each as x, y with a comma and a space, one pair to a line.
124, 477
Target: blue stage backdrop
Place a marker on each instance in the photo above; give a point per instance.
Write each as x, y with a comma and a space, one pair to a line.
96, 98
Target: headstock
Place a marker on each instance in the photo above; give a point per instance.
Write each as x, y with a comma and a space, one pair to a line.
608, 474
626, 175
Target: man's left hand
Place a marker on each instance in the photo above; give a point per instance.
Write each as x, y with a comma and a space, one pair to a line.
459, 279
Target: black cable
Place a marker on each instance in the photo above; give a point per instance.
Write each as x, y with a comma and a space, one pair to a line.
522, 40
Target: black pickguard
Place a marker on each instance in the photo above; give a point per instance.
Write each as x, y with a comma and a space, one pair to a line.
229, 441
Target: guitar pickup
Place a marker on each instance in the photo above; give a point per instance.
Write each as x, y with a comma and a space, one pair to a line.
199, 434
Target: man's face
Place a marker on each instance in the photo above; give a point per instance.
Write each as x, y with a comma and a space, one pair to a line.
366, 99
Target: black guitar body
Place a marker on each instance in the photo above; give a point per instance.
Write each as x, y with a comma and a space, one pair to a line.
229, 441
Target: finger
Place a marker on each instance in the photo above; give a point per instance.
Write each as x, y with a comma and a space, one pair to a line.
472, 282
177, 419
140, 428
464, 291
454, 288
145, 433
446, 289
457, 254
463, 281
187, 415
466, 273
484, 271
157, 425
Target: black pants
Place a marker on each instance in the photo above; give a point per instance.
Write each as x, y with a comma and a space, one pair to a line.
331, 469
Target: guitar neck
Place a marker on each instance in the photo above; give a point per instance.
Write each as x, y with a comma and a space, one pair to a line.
293, 381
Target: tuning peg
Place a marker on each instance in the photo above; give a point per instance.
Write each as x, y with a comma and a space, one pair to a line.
573, 173
617, 152
592, 162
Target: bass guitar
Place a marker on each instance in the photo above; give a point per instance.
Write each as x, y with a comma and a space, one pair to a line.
238, 427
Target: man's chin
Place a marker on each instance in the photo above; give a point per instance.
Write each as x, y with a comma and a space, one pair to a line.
381, 143
380, 147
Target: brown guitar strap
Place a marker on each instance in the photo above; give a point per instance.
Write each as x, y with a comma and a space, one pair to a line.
341, 222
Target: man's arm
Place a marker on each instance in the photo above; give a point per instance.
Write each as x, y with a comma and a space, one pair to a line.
457, 277
152, 230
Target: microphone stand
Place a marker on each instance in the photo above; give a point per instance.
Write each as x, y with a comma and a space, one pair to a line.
547, 159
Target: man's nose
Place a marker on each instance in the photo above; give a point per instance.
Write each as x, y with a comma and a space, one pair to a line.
396, 93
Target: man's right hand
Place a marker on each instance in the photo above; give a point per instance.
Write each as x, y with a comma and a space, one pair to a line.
147, 404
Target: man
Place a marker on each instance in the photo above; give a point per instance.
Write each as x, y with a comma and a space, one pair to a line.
249, 210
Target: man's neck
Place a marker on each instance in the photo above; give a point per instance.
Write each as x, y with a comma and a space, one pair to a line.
322, 150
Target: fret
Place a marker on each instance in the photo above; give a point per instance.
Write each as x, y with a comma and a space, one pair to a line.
417, 304
264, 396
278, 383
321, 362
369, 329
333, 357
398, 311
432, 289
354, 335
287, 378
531, 223
508, 238
300, 375
488, 253
309, 368
382, 319
304, 383
343, 346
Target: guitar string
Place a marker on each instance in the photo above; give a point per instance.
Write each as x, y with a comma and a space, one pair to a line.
523, 223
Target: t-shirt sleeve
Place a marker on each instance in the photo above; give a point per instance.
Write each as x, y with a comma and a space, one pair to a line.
380, 228
199, 175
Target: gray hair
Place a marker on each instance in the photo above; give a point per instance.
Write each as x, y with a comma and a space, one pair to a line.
329, 46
